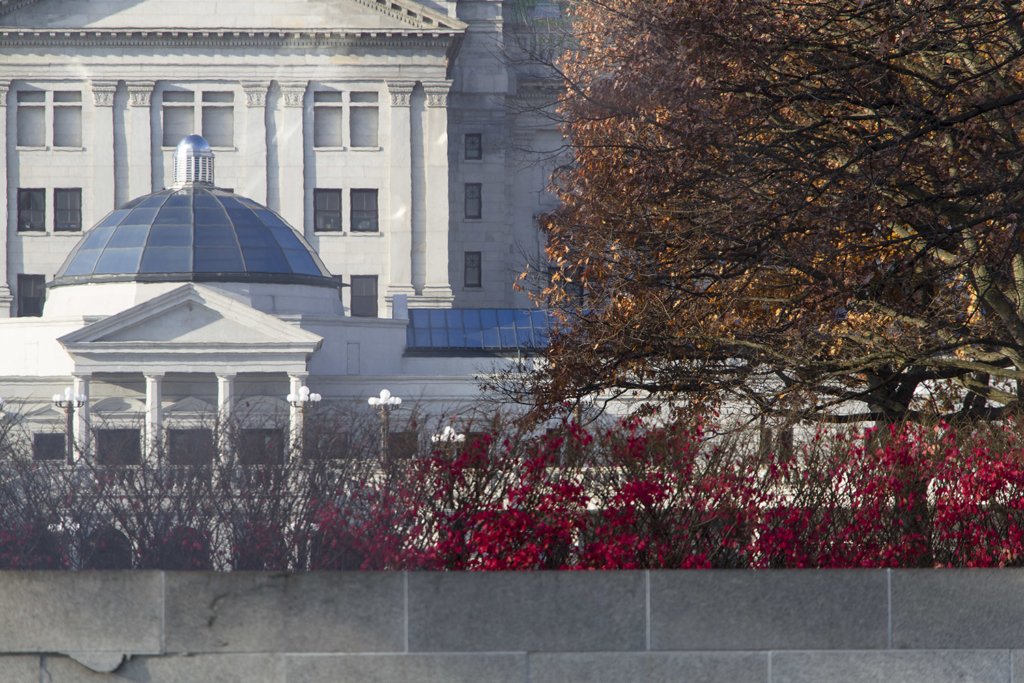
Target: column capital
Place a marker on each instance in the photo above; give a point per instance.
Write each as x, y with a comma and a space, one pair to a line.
293, 93
226, 375
82, 375
139, 93
401, 92
5, 87
103, 93
155, 376
437, 93
255, 93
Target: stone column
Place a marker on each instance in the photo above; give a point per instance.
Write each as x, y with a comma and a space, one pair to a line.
140, 140
225, 406
154, 415
5, 211
256, 140
82, 431
295, 382
291, 153
102, 149
437, 287
399, 224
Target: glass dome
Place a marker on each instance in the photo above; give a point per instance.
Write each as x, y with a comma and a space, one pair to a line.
193, 233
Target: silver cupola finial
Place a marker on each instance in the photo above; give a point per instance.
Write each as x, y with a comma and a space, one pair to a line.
193, 161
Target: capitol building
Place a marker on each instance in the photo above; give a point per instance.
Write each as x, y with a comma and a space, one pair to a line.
211, 204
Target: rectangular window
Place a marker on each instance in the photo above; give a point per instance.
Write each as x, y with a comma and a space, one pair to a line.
31, 118
364, 211
31, 210
261, 447
67, 118
67, 209
328, 111
327, 210
473, 268
363, 119
31, 295
179, 115
364, 296
474, 202
219, 118
474, 150
190, 447
48, 446
118, 447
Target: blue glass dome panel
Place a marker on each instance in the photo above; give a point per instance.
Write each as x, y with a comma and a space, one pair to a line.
193, 234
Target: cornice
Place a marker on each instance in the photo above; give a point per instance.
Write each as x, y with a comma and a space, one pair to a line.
393, 38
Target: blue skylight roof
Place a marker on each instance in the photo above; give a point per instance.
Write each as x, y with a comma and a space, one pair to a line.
484, 329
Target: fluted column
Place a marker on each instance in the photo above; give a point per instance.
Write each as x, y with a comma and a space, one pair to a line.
437, 287
295, 382
256, 140
102, 148
154, 415
291, 154
140, 140
5, 210
399, 225
82, 431
225, 408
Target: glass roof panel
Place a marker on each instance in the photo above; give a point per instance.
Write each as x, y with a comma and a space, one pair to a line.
265, 260
140, 216
174, 215
170, 236
270, 219
83, 262
113, 218
118, 261
255, 236
301, 262
215, 236
218, 260
181, 198
154, 201
97, 238
210, 216
167, 260
128, 236
287, 238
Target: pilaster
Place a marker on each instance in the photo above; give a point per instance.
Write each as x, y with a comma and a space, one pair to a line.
103, 148
154, 415
256, 139
399, 223
82, 427
140, 145
5, 290
295, 421
437, 290
291, 154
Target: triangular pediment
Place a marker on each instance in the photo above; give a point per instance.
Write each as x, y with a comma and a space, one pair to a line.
310, 15
190, 316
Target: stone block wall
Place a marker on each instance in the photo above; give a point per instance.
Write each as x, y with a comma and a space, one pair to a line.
660, 626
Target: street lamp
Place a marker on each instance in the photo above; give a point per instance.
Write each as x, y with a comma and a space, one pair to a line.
304, 399
68, 402
385, 404
447, 436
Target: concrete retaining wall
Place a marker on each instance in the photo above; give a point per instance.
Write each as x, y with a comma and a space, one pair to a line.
694, 626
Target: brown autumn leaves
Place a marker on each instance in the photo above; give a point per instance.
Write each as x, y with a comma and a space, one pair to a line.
804, 204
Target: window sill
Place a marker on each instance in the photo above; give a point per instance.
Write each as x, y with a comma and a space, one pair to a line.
467, 219
68, 149
329, 149
472, 161
33, 233
366, 149
32, 148
365, 233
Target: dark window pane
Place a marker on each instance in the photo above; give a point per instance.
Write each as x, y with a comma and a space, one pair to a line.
67, 126
473, 261
31, 295
210, 216
474, 203
488, 317
118, 447
438, 338
422, 338
453, 318
255, 236
49, 447
327, 96
364, 211
190, 447
437, 318
327, 210
67, 209
327, 127
419, 317
490, 341
31, 210
471, 318
363, 126
474, 338
219, 126
178, 123
474, 146
364, 296
31, 126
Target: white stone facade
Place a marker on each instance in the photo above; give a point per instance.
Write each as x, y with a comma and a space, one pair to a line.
436, 73
381, 131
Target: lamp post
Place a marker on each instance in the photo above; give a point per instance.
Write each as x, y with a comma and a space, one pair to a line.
69, 402
385, 404
301, 401
448, 436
